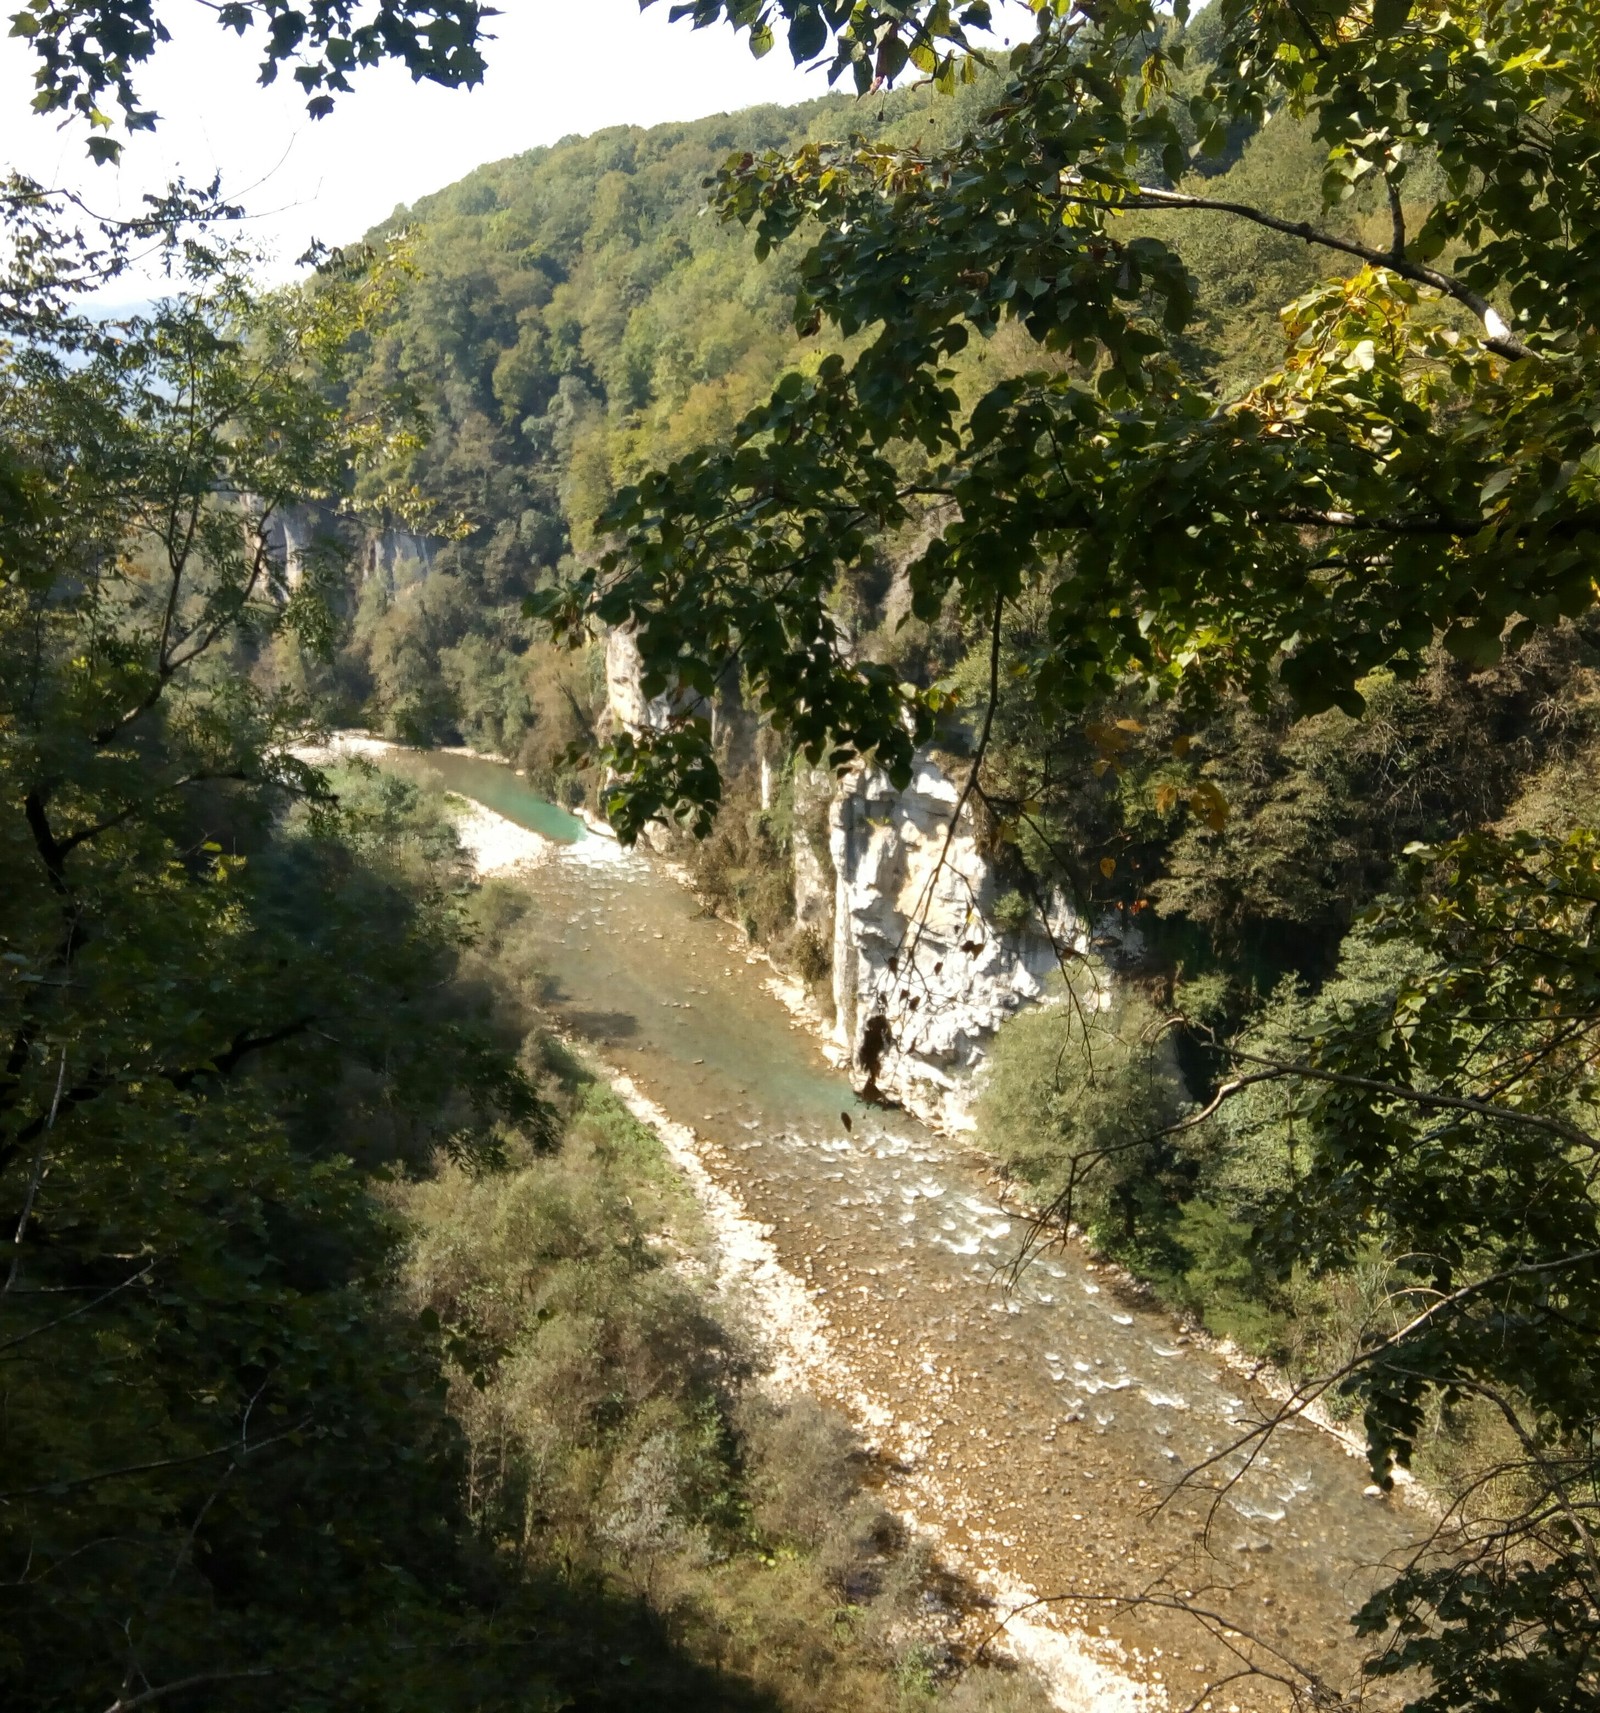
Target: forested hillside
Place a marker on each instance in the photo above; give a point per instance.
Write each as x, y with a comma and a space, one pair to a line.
580, 313
575, 313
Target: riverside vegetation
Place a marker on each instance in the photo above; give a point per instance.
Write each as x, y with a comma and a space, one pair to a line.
1266, 629
356, 1350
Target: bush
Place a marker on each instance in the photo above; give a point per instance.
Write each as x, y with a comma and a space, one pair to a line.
810, 956
989, 1689
803, 1468
743, 867
1011, 913
1074, 1089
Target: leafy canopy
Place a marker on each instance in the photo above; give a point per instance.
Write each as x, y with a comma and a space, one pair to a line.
1422, 463
89, 51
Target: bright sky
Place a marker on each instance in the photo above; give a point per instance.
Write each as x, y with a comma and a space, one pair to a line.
557, 67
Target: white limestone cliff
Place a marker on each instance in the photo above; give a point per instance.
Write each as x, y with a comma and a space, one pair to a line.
922, 978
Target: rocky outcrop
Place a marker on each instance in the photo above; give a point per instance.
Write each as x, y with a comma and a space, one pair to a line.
922, 976
396, 557
295, 536
626, 703
734, 729
900, 902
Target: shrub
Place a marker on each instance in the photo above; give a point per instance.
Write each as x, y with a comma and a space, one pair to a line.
743, 867
1011, 913
803, 1468
989, 1689
810, 956
1073, 1090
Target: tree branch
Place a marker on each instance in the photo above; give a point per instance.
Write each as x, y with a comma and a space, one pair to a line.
1315, 519
183, 1078
242, 1045
83, 1308
127, 1703
1499, 338
1303, 1397
35, 811
83, 835
55, 1487
1397, 225
1217, 1625
1423, 1097
33, 1182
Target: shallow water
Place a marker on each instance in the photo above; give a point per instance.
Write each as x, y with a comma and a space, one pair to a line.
1036, 1426
490, 783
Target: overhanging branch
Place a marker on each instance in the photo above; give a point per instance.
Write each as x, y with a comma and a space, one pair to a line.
1498, 337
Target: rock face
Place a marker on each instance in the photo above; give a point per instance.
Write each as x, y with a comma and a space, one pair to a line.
733, 727
289, 533
921, 976
298, 535
628, 706
397, 556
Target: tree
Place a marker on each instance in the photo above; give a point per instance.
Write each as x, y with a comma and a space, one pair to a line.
1420, 469
277, 1431
1445, 1123
219, 1012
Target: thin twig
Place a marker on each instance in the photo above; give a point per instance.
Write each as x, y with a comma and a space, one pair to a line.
54, 1487
83, 1308
1421, 1097
127, 1703
34, 1180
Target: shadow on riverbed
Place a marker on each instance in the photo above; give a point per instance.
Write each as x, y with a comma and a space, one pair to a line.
601, 1026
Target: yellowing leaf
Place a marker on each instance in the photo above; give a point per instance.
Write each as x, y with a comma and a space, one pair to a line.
1108, 866
1210, 805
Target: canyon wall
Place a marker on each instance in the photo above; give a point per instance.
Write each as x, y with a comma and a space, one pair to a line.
922, 975
296, 534
897, 892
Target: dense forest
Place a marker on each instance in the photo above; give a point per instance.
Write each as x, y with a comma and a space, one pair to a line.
1183, 428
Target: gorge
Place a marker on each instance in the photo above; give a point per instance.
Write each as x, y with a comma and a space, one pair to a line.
1054, 1158
1035, 1426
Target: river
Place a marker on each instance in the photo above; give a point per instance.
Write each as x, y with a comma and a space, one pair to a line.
1035, 1428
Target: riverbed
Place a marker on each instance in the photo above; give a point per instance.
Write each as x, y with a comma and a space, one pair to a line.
1036, 1426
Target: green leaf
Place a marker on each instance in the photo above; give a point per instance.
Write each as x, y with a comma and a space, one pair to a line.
808, 34
1476, 646
1389, 16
